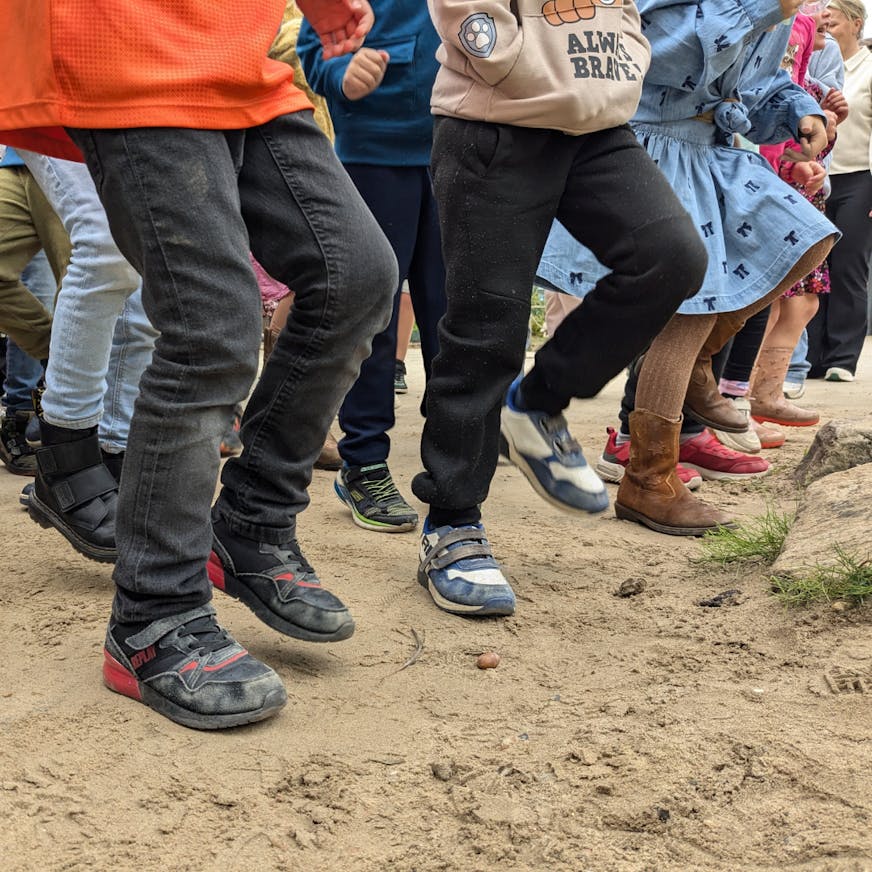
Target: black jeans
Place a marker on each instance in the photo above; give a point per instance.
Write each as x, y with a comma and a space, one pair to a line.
838, 329
498, 189
184, 207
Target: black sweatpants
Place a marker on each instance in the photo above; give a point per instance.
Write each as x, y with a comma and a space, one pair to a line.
498, 189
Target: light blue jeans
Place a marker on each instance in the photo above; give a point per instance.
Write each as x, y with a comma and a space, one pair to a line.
799, 365
101, 339
22, 371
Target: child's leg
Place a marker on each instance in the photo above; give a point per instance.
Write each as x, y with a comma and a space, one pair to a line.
633, 230
405, 324
557, 307
704, 399
793, 313
497, 188
665, 370
786, 323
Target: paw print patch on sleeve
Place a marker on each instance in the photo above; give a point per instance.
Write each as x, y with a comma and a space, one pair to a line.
478, 35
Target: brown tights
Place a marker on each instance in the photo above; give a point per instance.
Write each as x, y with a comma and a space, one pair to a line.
665, 372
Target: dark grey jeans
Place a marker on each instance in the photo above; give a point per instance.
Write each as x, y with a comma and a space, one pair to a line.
184, 207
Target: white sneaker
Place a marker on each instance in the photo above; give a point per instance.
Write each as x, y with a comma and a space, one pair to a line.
793, 390
747, 442
542, 447
839, 374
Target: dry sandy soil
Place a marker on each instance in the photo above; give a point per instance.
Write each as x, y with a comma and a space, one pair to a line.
640, 733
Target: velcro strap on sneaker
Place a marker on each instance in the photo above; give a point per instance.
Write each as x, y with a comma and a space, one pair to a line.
81, 487
475, 545
68, 457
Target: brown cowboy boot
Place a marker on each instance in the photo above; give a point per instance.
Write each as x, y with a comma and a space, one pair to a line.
768, 402
703, 400
650, 491
329, 457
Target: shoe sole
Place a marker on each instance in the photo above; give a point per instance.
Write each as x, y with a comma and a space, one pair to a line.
401, 390
368, 523
483, 610
776, 443
517, 458
45, 517
614, 473
764, 419
608, 471
118, 679
718, 475
229, 584
29, 473
627, 514
708, 422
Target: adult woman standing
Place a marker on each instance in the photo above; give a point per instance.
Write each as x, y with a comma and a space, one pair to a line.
837, 332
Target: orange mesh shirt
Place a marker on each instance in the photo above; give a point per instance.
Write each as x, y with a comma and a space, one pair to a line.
138, 63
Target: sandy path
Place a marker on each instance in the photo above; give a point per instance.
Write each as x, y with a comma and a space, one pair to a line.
622, 734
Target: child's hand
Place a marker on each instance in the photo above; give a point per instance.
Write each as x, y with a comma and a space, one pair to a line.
789, 8
835, 102
812, 139
811, 175
365, 72
832, 121
341, 25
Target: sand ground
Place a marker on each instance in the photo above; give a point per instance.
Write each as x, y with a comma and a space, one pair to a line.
640, 733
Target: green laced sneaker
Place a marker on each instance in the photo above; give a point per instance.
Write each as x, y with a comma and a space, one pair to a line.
375, 503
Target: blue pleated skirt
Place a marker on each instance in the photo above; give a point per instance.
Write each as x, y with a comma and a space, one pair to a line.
754, 225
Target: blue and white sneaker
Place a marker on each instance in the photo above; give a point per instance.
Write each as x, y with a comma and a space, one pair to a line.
457, 566
542, 447
24, 496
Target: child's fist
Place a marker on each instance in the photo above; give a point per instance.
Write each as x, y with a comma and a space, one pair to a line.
836, 103
810, 175
559, 12
364, 73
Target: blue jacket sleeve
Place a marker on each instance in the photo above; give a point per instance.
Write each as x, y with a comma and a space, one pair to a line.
694, 43
324, 77
826, 67
778, 109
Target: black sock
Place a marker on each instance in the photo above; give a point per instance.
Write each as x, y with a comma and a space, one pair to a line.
454, 517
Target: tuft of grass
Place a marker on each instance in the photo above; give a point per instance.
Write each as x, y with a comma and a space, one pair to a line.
758, 541
849, 578
537, 313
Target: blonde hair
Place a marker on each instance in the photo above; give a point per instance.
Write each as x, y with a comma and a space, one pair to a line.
853, 9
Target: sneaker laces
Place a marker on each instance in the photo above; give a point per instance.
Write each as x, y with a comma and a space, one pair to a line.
381, 487
290, 555
203, 635
558, 430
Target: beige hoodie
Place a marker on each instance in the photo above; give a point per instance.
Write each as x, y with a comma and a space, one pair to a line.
570, 65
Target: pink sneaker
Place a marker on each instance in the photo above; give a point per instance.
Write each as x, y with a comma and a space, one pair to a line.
614, 459
716, 462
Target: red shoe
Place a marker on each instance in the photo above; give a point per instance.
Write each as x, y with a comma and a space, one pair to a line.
614, 459
231, 444
716, 462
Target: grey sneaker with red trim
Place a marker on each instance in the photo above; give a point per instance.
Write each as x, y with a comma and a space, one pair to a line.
277, 583
191, 671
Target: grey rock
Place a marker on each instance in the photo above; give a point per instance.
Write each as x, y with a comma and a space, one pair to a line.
834, 511
838, 445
